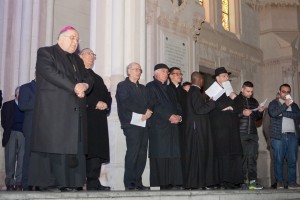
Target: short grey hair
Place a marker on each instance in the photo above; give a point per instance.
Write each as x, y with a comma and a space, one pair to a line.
17, 90
84, 50
130, 65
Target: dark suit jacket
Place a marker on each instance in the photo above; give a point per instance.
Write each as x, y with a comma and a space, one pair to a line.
130, 98
26, 103
58, 112
7, 119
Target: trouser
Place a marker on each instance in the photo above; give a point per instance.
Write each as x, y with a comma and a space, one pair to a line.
26, 160
250, 151
285, 148
136, 155
93, 170
14, 153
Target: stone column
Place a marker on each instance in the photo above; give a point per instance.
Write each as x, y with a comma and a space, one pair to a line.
49, 22
25, 42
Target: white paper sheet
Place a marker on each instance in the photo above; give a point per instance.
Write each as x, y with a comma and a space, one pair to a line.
136, 119
215, 91
260, 105
228, 87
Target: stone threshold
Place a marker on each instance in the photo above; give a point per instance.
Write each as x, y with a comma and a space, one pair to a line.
158, 195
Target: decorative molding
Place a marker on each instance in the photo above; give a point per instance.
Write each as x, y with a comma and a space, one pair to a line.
289, 69
173, 23
260, 4
179, 5
287, 64
196, 27
151, 9
149, 17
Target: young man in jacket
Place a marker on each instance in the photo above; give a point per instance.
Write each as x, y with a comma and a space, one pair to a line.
284, 116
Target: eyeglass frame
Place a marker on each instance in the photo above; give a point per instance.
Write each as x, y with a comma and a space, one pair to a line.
72, 38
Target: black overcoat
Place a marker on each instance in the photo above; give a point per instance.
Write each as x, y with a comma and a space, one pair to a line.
163, 136
26, 104
227, 142
201, 165
98, 139
59, 118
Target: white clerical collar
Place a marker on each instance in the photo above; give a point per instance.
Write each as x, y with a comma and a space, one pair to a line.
196, 86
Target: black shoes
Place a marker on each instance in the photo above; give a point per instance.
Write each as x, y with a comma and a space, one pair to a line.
18, 188
142, 188
10, 188
130, 188
104, 188
137, 188
98, 188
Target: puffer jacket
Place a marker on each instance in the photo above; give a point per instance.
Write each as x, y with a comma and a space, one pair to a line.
277, 111
247, 124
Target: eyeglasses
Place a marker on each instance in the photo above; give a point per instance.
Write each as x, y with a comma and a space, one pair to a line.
178, 74
137, 69
72, 38
90, 54
285, 92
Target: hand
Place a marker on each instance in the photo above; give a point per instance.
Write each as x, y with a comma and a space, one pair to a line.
247, 112
80, 95
101, 105
147, 115
232, 95
261, 108
174, 119
288, 102
80, 88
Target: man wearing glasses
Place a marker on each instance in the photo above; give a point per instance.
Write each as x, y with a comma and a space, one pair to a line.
131, 99
175, 78
98, 108
57, 159
284, 115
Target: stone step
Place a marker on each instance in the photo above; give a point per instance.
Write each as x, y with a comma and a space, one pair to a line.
265, 194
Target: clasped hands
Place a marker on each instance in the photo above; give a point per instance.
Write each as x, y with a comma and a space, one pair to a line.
175, 119
80, 88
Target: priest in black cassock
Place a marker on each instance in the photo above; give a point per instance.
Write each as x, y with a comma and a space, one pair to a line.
175, 78
164, 149
98, 108
58, 142
200, 163
225, 131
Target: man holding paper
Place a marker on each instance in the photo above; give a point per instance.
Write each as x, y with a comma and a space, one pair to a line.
284, 116
133, 112
225, 131
249, 111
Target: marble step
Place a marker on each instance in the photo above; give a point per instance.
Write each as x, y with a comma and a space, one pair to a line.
265, 194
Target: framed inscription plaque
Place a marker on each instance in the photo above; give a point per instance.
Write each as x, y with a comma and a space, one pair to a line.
175, 52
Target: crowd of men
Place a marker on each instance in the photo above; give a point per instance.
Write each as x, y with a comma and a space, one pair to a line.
56, 131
